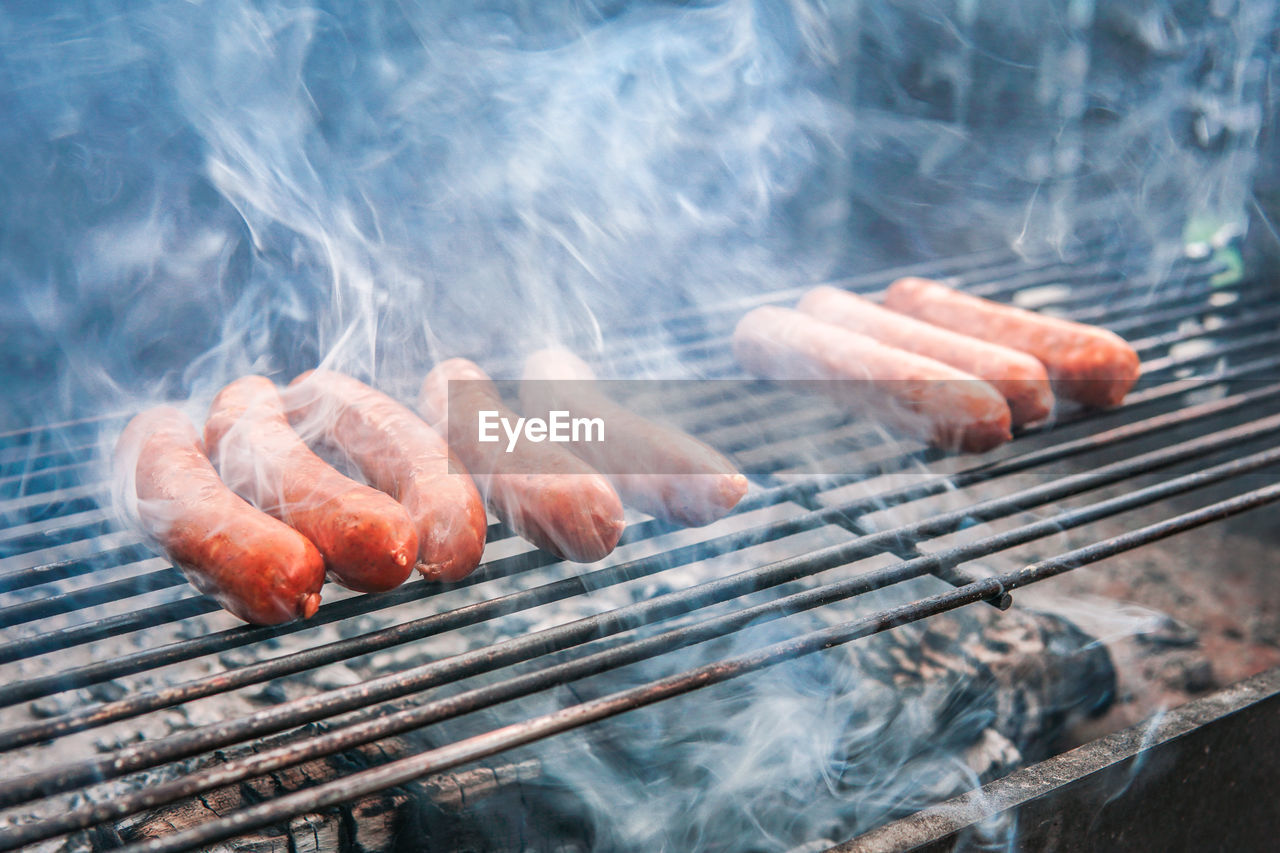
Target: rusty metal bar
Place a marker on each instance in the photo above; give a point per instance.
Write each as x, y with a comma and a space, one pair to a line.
471, 749
362, 731
255, 673
361, 708
984, 265
391, 686
22, 579
1004, 276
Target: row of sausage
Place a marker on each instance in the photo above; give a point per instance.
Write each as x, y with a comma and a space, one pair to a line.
257, 519
960, 369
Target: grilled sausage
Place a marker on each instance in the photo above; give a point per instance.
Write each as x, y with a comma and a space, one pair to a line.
399, 454
258, 568
657, 469
1087, 364
367, 539
544, 492
948, 406
1020, 377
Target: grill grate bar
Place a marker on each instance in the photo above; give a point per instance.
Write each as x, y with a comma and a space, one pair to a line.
1236, 346
99, 629
716, 326
71, 499
996, 275
41, 480
401, 771
771, 457
995, 262
1102, 269
1180, 334
39, 467
199, 605
1255, 299
87, 426
69, 602
1116, 310
737, 437
94, 673
329, 703
62, 530
183, 609
1142, 346
16, 459
368, 730
721, 363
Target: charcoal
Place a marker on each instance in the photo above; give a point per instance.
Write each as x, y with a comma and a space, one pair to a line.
56, 705
365, 624
108, 691
1264, 629
271, 693
1190, 674
334, 677
236, 658
1170, 632
113, 742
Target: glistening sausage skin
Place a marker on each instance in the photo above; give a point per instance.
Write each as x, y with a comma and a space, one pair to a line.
367, 539
1087, 364
257, 567
398, 453
951, 408
1020, 377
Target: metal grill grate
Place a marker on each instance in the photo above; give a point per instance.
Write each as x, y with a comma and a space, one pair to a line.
73, 583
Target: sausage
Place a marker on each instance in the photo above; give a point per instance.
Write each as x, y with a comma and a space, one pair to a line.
947, 406
544, 492
399, 454
1020, 377
657, 469
367, 539
1087, 364
257, 567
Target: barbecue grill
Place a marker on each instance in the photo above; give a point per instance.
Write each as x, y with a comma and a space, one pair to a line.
103, 639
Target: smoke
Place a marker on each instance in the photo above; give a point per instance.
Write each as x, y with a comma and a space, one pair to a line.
195, 191
824, 747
